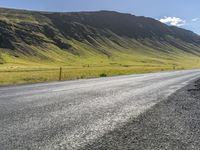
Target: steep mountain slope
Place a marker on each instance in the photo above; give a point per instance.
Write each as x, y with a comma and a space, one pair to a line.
95, 38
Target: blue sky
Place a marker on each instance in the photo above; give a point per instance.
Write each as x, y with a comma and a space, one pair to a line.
181, 13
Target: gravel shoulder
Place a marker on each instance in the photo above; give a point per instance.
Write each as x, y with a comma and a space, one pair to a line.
170, 124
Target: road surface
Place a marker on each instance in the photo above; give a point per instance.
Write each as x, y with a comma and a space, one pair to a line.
71, 114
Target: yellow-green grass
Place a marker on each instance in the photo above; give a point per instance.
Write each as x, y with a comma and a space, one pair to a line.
33, 70
20, 72
21, 76
130, 58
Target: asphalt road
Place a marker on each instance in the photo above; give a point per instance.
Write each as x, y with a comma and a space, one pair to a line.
172, 124
72, 114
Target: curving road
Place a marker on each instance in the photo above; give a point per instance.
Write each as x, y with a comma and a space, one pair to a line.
71, 114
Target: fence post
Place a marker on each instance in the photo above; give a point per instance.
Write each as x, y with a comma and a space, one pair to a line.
60, 74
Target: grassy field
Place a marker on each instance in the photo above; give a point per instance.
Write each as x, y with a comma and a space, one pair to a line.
13, 73
27, 75
90, 64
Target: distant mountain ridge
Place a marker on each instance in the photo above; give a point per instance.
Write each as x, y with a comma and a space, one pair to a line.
123, 24
106, 35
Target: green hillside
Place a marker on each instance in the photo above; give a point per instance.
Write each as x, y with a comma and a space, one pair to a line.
88, 44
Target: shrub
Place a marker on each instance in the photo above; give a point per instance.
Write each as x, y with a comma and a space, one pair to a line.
103, 75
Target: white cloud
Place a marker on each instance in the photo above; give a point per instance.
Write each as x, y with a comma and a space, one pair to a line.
173, 21
195, 19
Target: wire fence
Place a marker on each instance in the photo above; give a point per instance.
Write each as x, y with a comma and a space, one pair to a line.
18, 76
